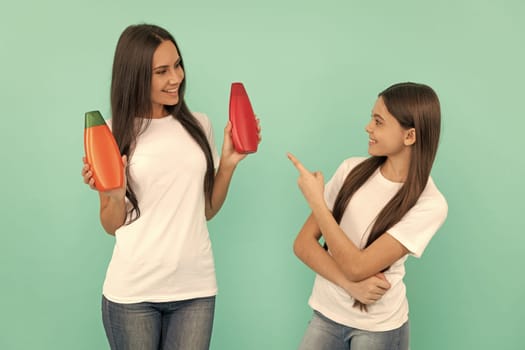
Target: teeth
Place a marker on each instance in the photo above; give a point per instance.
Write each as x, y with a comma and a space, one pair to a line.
174, 90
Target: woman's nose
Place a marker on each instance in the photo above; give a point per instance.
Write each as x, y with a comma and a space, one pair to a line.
176, 76
179, 72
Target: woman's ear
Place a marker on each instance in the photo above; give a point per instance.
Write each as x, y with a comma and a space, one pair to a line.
410, 137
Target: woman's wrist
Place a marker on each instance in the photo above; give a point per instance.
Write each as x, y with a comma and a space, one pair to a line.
226, 167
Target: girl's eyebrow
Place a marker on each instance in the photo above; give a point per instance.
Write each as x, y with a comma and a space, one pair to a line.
375, 115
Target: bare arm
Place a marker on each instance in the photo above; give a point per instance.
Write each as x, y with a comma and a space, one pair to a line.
229, 160
356, 264
220, 189
112, 203
309, 251
112, 212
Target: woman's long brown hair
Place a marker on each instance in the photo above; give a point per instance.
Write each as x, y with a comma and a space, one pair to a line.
414, 106
131, 100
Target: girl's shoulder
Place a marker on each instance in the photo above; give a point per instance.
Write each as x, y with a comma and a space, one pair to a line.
345, 167
349, 163
432, 199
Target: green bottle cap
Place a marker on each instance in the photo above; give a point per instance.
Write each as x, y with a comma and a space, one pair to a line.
94, 118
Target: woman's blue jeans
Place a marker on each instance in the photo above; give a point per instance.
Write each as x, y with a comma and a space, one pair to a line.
177, 325
325, 334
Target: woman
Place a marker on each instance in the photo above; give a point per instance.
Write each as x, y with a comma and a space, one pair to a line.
160, 287
372, 214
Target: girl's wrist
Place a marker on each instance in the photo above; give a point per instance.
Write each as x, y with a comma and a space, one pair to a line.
347, 286
319, 206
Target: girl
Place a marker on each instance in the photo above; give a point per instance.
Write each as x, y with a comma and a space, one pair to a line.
372, 214
160, 287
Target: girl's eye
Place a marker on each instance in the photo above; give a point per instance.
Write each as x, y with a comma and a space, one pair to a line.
378, 122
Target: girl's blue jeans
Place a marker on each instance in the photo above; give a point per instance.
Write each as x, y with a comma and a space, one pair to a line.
325, 334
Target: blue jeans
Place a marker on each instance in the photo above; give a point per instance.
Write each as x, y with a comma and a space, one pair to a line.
177, 325
325, 334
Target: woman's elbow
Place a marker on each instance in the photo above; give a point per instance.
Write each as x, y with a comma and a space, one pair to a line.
109, 230
109, 225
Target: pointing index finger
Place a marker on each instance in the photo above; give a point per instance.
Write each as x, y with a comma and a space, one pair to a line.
296, 162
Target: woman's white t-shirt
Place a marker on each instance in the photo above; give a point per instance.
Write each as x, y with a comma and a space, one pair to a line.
166, 254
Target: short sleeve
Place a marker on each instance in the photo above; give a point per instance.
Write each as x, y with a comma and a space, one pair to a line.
208, 130
420, 223
333, 186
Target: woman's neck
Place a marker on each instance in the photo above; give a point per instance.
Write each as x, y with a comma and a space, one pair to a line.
158, 111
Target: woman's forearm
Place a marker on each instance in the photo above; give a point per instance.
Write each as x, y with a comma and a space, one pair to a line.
220, 190
112, 213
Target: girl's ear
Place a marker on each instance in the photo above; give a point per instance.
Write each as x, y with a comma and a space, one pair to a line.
410, 137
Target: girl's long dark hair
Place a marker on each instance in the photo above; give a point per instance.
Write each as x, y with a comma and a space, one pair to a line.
131, 106
414, 106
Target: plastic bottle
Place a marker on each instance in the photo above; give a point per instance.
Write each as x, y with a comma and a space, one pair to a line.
102, 153
244, 126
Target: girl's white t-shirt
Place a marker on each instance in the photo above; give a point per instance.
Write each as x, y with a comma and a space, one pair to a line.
414, 231
166, 254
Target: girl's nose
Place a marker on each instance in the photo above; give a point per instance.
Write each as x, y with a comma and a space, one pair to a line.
368, 129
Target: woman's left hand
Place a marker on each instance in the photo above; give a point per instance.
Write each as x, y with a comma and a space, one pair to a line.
229, 156
310, 183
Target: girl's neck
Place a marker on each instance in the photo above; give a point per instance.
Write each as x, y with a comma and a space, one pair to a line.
396, 169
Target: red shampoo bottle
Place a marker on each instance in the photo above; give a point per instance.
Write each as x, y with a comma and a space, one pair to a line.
244, 126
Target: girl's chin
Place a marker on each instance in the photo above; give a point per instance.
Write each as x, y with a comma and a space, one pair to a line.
374, 153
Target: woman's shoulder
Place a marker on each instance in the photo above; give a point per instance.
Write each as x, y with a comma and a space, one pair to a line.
201, 117
204, 121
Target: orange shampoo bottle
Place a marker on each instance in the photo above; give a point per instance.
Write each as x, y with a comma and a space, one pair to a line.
102, 153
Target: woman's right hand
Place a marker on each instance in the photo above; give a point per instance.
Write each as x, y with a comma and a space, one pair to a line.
370, 290
87, 175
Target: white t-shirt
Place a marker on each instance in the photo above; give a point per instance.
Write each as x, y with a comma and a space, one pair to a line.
166, 254
414, 231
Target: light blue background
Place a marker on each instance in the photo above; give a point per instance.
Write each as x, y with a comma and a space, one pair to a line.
313, 71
